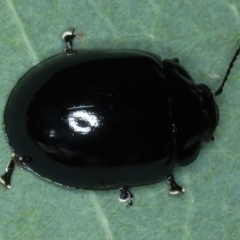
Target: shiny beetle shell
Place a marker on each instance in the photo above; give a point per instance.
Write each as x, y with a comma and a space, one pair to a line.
107, 119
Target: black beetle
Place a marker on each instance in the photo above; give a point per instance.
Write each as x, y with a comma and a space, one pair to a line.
108, 119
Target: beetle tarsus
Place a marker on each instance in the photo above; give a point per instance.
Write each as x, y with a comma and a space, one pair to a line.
174, 187
68, 39
126, 196
5, 179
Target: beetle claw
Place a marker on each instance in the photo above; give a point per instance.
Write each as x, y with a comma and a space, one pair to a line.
174, 187
126, 196
5, 179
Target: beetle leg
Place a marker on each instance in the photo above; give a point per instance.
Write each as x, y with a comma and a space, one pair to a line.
5, 179
68, 39
125, 196
174, 187
176, 60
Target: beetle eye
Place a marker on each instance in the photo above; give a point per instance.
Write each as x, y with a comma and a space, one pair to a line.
204, 89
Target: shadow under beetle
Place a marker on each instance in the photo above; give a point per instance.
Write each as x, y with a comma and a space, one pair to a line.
103, 119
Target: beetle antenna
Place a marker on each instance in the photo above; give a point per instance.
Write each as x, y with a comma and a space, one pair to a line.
219, 91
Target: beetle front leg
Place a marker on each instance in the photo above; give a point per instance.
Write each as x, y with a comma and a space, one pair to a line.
125, 196
174, 187
5, 179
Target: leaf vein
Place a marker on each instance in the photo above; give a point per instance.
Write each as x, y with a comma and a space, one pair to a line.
100, 214
20, 25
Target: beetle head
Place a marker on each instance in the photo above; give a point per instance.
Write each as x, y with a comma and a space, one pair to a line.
210, 109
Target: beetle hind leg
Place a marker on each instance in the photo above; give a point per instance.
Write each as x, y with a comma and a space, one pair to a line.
126, 196
174, 187
5, 179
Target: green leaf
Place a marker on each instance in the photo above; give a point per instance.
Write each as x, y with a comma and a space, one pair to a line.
204, 36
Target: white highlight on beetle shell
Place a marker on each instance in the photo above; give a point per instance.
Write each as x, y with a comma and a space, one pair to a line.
88, 119
52, 133
81, 106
